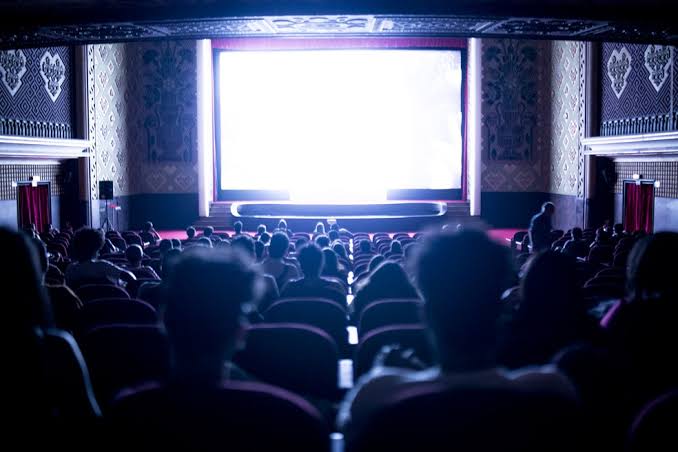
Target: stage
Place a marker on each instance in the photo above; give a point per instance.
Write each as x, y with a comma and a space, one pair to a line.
387, 216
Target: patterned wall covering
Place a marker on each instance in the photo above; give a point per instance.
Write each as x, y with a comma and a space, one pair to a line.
639, 89
531, 116
146, 116
511, 147
37, 93
22, 173
565, 127
664, 172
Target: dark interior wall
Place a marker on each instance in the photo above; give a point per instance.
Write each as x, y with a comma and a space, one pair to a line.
639, 89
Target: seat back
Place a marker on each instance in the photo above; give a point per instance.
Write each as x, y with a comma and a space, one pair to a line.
91, 292
654, 428
407, 336
324, 314
121, 356
109, 311
473, 416
301, 358
233, 416
389, 312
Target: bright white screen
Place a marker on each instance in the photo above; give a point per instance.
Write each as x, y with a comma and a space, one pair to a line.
340, 125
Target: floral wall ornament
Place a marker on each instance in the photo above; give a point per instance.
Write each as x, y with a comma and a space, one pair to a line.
12, 68
658, 61
618, 70
53, 72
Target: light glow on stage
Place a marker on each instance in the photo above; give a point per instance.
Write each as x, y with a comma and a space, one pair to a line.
340, 125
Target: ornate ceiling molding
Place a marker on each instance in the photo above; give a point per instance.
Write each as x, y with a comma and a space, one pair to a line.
28, 148
87, 31
655, 145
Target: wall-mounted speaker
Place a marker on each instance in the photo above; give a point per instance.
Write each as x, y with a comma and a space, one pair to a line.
106, 189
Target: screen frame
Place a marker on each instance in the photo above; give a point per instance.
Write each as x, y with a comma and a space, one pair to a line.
423, 194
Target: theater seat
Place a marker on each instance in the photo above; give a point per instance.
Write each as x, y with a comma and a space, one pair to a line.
655, 427
433, 416
324, 314
230, 416
389, 312
111, 311
92, 292
121, 356
300, 358
407, 336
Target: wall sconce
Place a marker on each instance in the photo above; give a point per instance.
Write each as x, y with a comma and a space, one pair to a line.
34, 181
14, 184
657, 184
636, 176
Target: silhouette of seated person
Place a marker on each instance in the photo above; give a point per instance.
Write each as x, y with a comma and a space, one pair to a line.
275, 264
282, 227
551, 314
237, 228
634, 365
332, 270
576, 246
395, 252
245, 245
134, 255
541, 227
88, 268
387, 281
461, 277
148, 234
190, 235
202, 405
47, 387
312, 284
322, 241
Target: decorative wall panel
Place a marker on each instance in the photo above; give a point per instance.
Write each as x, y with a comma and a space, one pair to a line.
512, 150
532, 116
23, 173
565, 125
664, 172
639, 89
37, 92
146, 116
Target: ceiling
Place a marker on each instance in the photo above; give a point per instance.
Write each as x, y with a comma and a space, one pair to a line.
31, 23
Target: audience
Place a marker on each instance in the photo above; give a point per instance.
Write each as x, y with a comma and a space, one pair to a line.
237, 228
190, 234
461, 308
387, 281
48, 393
134, 255
149, 234
576, 246
87, 268
554, 364
312, 284
275, 264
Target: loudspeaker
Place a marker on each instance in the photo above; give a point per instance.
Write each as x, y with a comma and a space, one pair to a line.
106, 189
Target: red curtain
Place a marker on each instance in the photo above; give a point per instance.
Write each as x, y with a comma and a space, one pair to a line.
639, 207
34, 206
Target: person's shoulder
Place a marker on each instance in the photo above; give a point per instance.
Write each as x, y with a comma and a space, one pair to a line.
542, 378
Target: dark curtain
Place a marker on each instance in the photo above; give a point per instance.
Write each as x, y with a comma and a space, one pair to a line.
639, 207
34, 206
